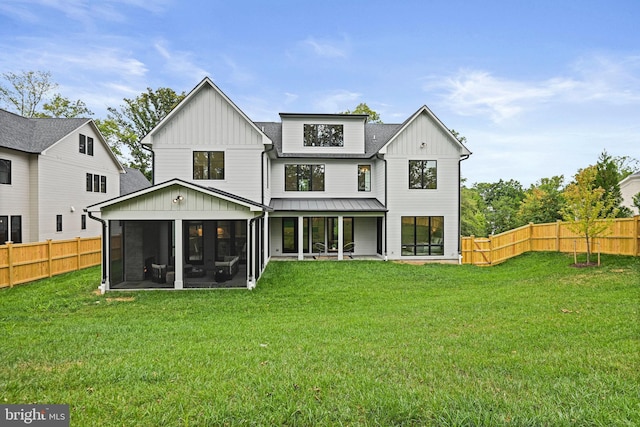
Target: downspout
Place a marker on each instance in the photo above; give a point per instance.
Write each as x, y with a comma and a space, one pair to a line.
153, 163
262, 170
104, 248
386, 192
462, 158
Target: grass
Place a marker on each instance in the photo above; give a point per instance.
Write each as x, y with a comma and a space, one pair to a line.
530, 342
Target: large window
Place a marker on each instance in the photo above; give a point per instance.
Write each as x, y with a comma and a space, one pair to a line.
422, 235
208, 165
96, 183
423, 174
323, 135
5, 171
304, 177
364, 177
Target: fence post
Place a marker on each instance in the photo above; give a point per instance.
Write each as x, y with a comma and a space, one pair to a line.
530, 236
472, 249
50, 263
78, 253
10, 254
490, 249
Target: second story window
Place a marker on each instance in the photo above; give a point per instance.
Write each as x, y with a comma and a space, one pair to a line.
208, 165
5, 171
304, 177
85, 145
423, 174
96, 183
323, 135
364, 177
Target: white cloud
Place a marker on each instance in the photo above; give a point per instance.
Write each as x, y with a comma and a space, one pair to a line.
327, 48
335, 101
180, 63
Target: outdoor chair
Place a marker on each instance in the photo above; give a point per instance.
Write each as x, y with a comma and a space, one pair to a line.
321, 248
349, 248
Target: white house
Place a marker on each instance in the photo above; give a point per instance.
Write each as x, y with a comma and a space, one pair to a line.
230, 193
50, 169
629, 187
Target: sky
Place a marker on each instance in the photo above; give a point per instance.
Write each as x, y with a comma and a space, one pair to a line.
538, 88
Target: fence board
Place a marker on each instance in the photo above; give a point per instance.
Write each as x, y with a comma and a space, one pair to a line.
622, 238
26, 262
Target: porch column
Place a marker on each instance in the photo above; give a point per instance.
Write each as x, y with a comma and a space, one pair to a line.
300, 238
340, 237
179, 256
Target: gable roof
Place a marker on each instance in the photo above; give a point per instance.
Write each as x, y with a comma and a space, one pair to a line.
628, 179
206, 82
425, 110
34, 135
254, 206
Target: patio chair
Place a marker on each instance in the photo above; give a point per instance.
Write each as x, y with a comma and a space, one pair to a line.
349, 248
321, 248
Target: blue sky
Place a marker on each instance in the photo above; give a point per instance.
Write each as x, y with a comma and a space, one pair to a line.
539, 88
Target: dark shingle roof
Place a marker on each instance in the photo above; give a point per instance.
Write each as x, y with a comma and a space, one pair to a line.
34, 135
132, 180
375, 136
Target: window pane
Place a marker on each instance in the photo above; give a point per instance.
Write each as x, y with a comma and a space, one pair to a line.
347, 230
408, 230
90, 146
422, 230
195, 248
430, 174
318, 178
83, 222
4, 229
437, 230
16, 229
291, 177
304, 177
82, 145
89, 182
415, 174
103, 184
216, 163
323, 135
200, 165
364, 177
5, 171
58, 222
289, 235
317, 230
96, 183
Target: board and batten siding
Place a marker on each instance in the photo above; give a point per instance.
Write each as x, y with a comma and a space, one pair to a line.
15, 198
158, 205
293, 135
209, 123
62, 172
442, 201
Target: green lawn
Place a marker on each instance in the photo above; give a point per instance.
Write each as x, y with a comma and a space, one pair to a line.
530, 342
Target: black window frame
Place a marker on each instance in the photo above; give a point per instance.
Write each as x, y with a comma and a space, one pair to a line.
89, 182
5, 170
323, 135
206, 172
58, 223
16, 228
362, 181
420, 175
89, 146
103, 184
83, 222
96, 183
304, 177
82, 144
434, 246
4, 229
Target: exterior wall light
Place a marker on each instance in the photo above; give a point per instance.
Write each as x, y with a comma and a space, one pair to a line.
178, 199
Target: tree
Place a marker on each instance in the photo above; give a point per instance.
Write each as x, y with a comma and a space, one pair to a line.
587, 207
501, 200
26, 91
608, 177
636, 201
542, 202
472, 218
363, 108
59, 106
125, 127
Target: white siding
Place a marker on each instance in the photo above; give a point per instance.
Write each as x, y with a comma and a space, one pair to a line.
340, 175
209, 123
630, 188
293, 135
62, 191
442, 201
15, 197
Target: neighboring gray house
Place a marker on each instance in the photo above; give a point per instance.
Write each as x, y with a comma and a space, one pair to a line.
50, 169
629, 187
231, 193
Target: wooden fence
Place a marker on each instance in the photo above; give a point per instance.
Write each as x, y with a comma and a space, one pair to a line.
622, 238
25, 262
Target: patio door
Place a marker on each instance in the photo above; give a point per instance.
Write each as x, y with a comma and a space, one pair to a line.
290, 235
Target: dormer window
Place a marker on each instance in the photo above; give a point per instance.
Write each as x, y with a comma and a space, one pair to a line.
322, 135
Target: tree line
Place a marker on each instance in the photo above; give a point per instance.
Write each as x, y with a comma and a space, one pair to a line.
486, 208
